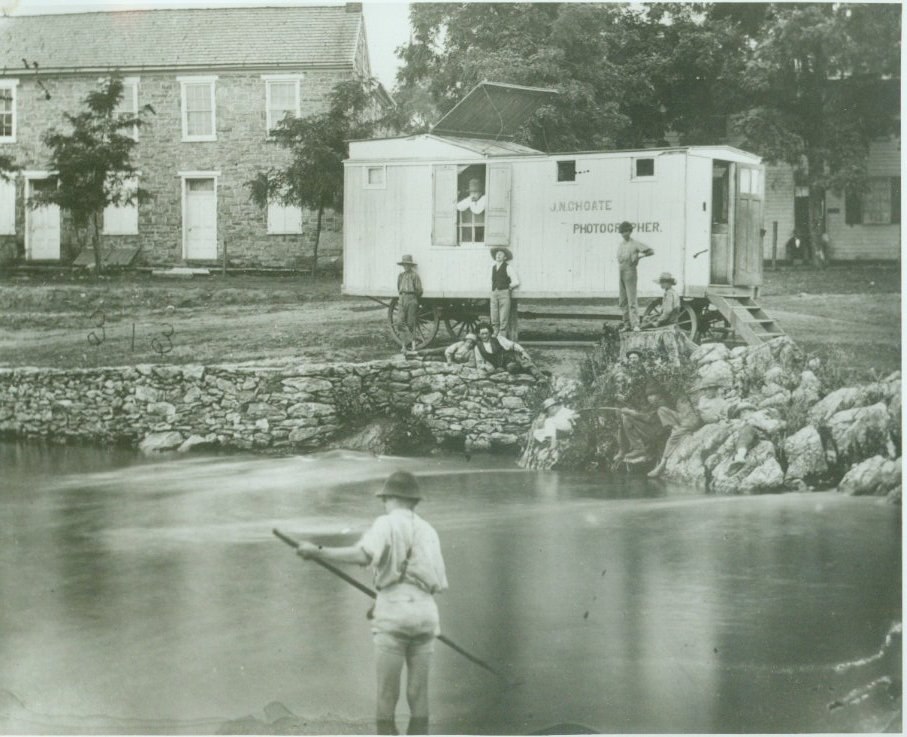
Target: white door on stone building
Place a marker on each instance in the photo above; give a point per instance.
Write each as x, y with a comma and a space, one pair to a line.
42, 226
200, 220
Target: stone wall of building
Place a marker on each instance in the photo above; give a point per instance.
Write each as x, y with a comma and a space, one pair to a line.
248, 407
241, 151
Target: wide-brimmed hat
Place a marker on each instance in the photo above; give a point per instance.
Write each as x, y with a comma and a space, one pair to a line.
625, 226
471, 336
665, 276
407, 259
550, 402
401, 484
507, 254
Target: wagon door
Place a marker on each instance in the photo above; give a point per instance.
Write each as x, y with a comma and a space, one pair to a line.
722, 250
748, 227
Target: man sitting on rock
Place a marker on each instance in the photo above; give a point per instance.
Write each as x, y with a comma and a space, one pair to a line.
497, 353
759, 424
463, 351
639, 430
554, 419
683, 421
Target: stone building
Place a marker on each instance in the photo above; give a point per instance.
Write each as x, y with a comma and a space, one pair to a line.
218, 80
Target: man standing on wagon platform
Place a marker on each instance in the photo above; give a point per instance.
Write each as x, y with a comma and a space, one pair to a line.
628, 254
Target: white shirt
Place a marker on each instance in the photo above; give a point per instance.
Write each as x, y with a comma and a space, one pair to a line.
475, 206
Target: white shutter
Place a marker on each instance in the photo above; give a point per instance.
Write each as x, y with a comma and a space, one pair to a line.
444, 205
122, 219
497, 217
8, 207
284, 219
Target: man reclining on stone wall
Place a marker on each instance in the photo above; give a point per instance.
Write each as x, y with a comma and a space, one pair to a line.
497, 353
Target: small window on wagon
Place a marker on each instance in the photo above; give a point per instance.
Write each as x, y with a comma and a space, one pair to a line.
643, 168
375, 177
566, 171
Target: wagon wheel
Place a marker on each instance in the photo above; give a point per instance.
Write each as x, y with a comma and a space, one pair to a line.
712, 322
464, 317
428, 317
687, 320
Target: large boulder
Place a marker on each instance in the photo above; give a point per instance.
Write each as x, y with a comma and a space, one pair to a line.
805, 456
760, 473
687, 464
709, 352
861, 432
715, 373
809, 389
876, 476
158, 442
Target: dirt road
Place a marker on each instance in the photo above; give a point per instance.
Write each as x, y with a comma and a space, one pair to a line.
71, 322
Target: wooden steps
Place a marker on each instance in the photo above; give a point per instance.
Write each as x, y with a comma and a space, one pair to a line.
744, 314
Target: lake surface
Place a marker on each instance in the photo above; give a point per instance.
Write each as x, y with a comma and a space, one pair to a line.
150, 596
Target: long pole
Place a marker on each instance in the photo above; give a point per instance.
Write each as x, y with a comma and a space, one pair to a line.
368, 592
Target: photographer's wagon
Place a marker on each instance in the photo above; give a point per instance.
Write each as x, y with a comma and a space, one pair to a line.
698, 207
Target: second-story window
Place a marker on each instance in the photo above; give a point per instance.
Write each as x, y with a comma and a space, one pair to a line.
128, 106
282, 98
8, 110
199, 113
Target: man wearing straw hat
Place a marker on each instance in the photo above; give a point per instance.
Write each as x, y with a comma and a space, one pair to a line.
405, 554
670, 303
409, 287
628, 254
504, 280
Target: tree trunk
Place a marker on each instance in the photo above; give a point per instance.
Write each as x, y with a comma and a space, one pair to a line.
817, 224
317, 240
96, 243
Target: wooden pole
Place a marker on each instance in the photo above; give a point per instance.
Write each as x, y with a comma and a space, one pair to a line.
368, 592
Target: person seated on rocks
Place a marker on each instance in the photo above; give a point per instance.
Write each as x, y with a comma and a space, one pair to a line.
553, 419
669, 309
463, 351
683, 420
758, 425
497, 353
639, 429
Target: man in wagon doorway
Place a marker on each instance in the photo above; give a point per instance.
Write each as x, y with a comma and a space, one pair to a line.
628, 254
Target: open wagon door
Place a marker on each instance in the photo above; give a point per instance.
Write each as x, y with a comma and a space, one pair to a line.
748, 227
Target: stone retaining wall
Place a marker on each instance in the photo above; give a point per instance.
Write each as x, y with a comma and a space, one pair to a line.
254, 406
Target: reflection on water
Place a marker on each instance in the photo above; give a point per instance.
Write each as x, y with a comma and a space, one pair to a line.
147, 597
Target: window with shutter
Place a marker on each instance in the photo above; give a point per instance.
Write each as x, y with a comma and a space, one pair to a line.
444, 205
284, 219
497, 231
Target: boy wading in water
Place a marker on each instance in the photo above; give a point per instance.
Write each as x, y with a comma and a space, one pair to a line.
405, 554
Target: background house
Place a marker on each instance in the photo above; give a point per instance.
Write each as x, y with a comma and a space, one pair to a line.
218, 80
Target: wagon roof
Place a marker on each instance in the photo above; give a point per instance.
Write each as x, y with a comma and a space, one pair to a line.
718, 151
493, 111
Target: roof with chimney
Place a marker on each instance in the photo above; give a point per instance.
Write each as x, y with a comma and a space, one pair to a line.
193, 38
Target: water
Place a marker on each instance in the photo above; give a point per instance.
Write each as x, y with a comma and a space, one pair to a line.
150, 596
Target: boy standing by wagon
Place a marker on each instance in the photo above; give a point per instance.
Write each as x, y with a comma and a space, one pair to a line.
409, 287
405, 553
628, 254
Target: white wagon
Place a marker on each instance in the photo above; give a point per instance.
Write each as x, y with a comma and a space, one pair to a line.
698, 207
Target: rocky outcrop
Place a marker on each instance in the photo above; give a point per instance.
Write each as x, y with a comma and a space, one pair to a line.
769, 425
267, 407
876, 476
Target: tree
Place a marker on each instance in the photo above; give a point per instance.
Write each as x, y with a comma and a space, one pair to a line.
317, 146
819, 85
92, 162
626, 75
